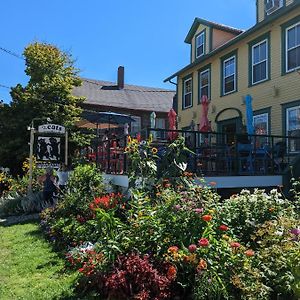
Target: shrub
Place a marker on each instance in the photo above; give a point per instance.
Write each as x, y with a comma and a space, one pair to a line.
245, 212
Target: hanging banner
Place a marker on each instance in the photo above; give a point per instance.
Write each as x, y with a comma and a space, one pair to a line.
52, 128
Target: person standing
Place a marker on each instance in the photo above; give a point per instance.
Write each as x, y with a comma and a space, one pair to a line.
49, 185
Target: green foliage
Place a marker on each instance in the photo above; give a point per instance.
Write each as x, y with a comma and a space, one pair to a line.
279, 255
245, 212
48, 93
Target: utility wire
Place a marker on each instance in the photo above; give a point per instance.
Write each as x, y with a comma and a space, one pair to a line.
4, 86
11, 53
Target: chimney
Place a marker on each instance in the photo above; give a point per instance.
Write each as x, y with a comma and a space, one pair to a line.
121, 77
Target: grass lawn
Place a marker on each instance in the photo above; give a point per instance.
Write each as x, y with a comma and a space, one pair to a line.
29, 269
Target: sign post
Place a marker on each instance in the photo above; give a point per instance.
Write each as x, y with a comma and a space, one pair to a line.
31, 158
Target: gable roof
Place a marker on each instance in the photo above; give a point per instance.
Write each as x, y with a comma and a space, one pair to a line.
133, 97
238, 38
199, 21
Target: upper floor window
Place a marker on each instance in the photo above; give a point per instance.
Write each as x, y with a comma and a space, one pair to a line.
272, 5
187, 93
292, 47
200, 44
204, 84
260, 61
229, 75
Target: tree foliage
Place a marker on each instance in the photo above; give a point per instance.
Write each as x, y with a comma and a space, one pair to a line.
48, 93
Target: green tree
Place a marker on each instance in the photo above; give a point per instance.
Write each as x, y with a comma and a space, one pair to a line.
48, 93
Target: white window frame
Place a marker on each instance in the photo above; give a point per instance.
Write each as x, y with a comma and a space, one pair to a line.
136, 126
234, 80
264, 60
207, 85
198, 46
287, 50
273, 10
259, 116
185, 94
287, 128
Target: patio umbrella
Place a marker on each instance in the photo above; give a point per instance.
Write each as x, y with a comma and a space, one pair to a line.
172, 125
249, 115
87, 124
204, 125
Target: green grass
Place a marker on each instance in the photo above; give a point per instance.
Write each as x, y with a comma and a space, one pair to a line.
29, 269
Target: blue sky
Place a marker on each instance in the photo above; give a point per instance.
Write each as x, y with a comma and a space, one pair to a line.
147, 37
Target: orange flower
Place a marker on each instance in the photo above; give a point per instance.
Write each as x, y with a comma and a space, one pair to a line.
202, 265
249, 252
128, 138
207, 218
172, 272
271, 209
213, 183
173, 249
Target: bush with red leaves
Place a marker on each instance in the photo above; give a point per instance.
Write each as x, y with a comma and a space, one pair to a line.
135, 277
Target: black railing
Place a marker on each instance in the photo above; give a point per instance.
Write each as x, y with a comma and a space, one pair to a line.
219, 154
213, 154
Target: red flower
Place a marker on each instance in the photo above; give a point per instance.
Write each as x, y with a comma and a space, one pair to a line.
192, 248
249, 252
235, 245
223, 227
172, 272
207, 218
203, 242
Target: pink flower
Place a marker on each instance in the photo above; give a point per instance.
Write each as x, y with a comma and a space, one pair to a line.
203, 242
235, 245
198, 210
295, 231
192, 248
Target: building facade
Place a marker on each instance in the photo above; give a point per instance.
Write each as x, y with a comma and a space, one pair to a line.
227, 64
137, 101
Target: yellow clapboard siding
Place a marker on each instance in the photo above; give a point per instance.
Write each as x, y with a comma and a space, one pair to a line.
272, 93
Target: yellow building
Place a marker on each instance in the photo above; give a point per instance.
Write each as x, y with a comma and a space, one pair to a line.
227, 64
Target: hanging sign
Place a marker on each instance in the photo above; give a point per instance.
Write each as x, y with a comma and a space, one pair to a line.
52, 128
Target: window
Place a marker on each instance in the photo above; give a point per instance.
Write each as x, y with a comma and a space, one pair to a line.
204, 84
160, 123
229, 75
200, 44
293, 128
260, 62
272, 5
292, 47
187, 93
261, 124
136, 126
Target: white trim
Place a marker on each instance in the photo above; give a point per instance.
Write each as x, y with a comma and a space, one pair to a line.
198, 46
287, 127
265, 60
286, 48
234, 80
208, 84
260, 115
191, 92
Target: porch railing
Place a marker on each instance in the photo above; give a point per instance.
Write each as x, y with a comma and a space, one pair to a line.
214, 154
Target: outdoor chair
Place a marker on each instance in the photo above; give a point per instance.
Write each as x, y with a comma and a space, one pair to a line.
245, 159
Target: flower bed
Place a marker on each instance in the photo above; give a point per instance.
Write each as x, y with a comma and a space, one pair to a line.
174, 240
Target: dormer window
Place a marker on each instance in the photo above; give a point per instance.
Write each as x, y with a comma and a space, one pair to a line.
200, 44
272, 5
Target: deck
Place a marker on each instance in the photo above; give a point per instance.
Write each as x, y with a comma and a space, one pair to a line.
230, 160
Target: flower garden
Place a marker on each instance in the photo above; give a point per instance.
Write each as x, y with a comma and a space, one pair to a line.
168, 238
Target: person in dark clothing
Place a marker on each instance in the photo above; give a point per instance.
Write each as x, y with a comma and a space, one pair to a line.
49, 185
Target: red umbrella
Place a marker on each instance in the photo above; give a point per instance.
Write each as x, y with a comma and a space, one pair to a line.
204, 122
172, 125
